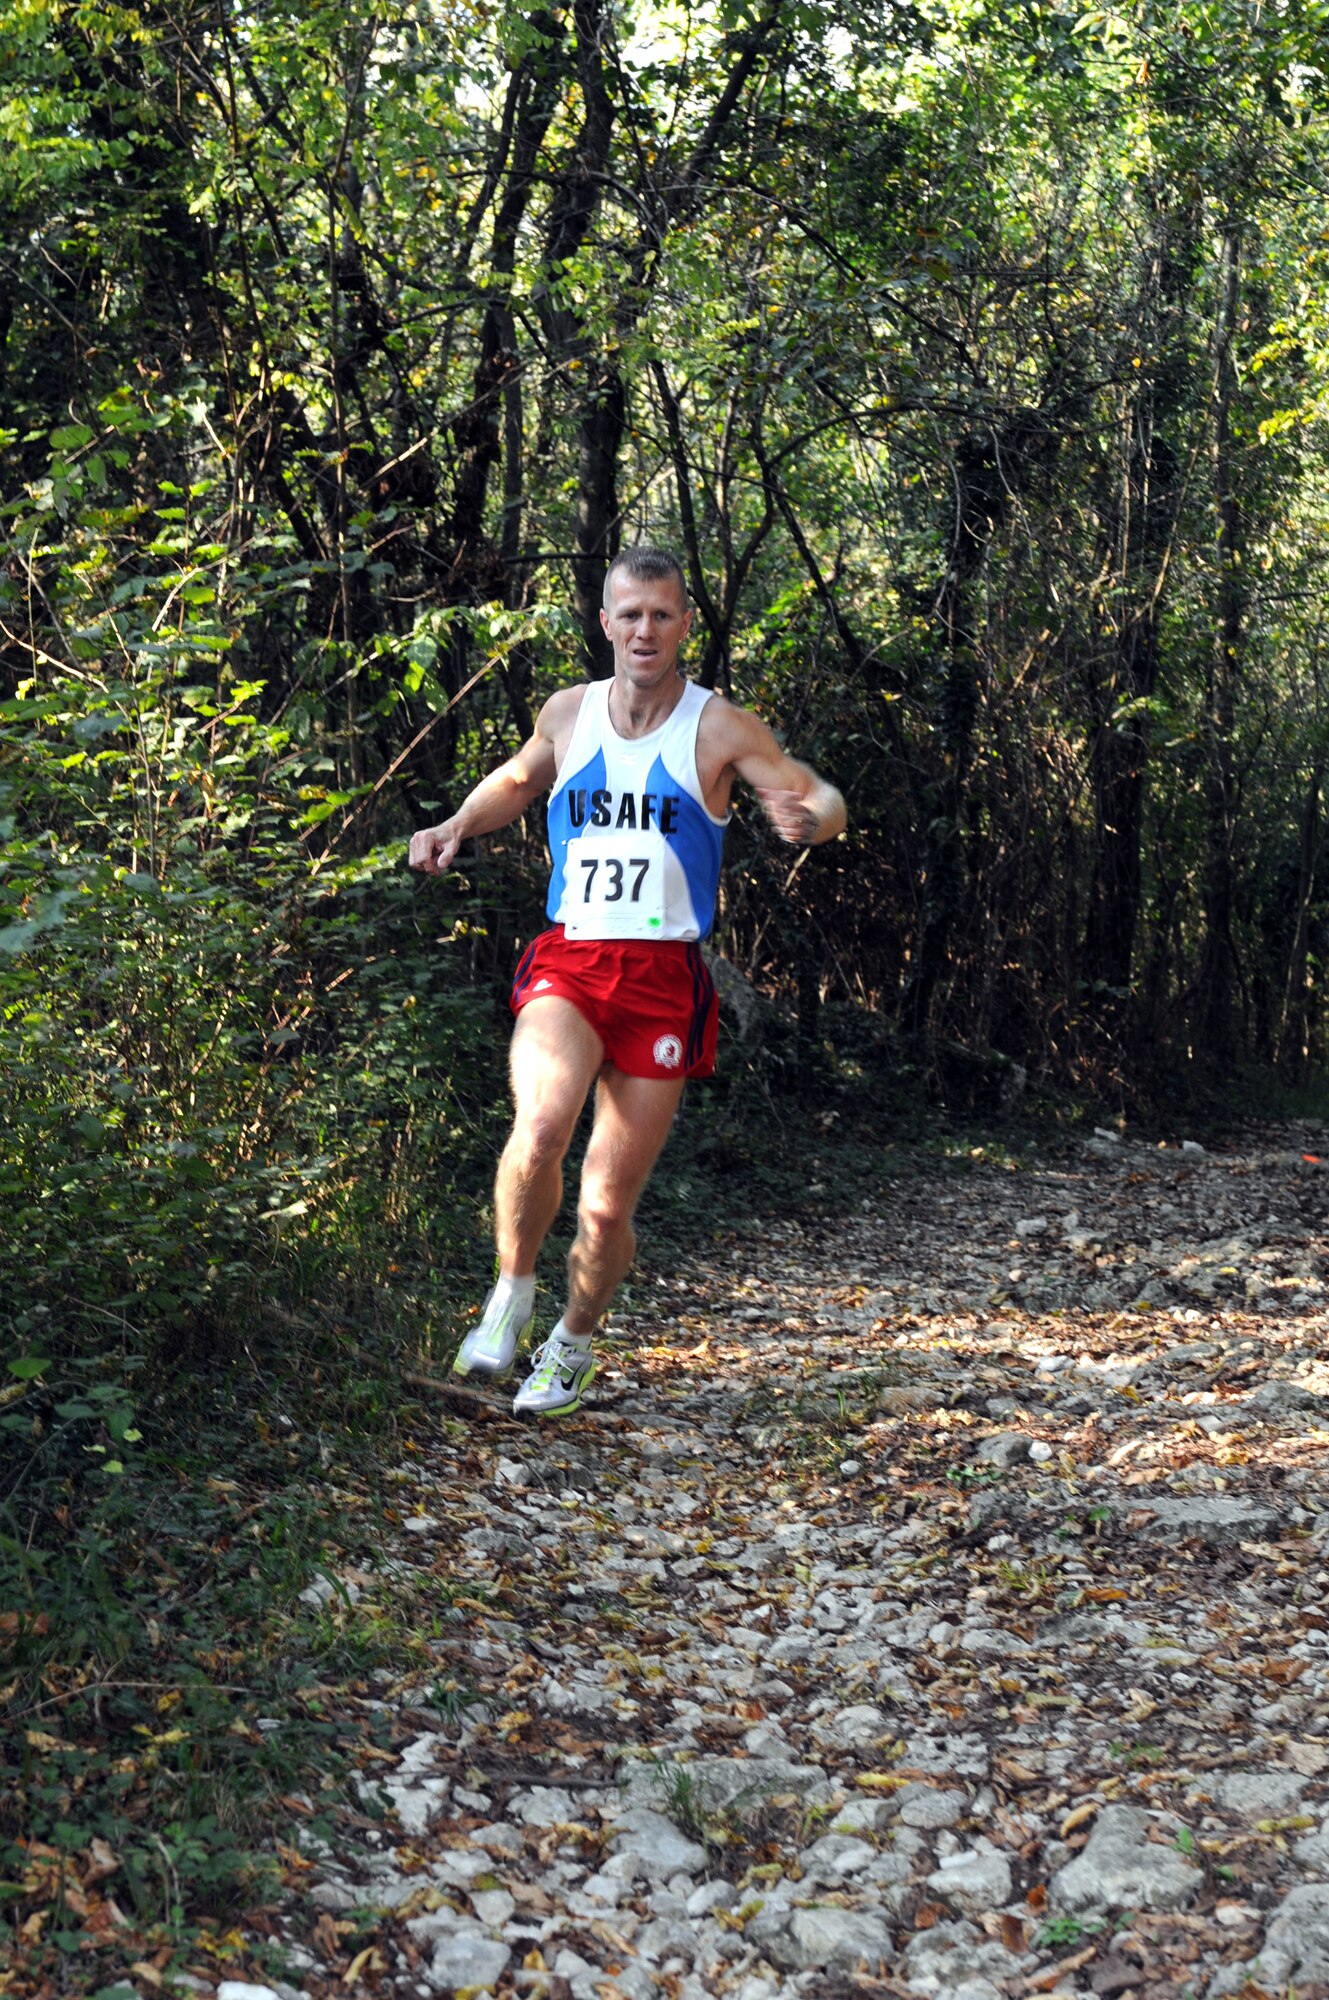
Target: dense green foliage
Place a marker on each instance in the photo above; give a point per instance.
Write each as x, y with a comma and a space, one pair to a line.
975, 356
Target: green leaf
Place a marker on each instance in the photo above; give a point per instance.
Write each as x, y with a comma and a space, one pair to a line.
29, 1366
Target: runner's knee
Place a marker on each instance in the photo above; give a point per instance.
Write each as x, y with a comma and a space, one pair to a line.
541, 1134
603, 1211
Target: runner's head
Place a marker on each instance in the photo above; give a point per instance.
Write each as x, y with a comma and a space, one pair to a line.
646, 616
645, 563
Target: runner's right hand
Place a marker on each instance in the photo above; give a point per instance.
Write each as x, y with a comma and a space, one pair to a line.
434, 848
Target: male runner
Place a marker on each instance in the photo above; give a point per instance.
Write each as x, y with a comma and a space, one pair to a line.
617, 993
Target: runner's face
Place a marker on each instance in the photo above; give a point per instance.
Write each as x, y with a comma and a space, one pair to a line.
646, 624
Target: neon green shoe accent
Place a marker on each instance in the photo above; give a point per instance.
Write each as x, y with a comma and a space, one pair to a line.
559, 1378
491, 1347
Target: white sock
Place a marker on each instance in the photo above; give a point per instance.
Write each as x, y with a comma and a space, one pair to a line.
516, 1291
581, 1341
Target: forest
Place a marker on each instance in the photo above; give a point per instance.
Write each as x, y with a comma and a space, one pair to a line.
974, 359
973, 355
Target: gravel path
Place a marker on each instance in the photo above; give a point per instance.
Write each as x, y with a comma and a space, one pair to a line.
927, 1602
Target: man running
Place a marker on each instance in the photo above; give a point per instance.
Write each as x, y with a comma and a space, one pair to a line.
617, 993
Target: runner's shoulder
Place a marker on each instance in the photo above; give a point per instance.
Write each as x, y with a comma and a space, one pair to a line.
730, 731
560, 711
558, 719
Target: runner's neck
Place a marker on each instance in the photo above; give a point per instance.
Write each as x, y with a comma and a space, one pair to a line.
635, 712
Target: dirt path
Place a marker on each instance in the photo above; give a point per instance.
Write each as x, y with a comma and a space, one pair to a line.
930, 1602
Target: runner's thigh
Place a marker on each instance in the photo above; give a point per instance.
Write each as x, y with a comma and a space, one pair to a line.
556, 1056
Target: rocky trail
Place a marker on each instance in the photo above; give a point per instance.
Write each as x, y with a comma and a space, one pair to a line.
930, 1601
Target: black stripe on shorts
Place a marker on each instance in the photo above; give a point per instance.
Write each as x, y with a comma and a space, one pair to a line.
521, 977
702, 988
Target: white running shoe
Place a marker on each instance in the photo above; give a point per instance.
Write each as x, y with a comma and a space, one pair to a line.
491, 1347
561, 1373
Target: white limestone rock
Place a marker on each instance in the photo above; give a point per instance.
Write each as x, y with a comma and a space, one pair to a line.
1003, 1448
1258, 1794
1122, 1869
417, 1806
975, 1880
855, 1728
647, 1846
542, 1805
494, 1907
467, 1959
835, 1856
1218, 1518
717, 1895
1295, 1951
820, 1938
928, 1807
940, 1961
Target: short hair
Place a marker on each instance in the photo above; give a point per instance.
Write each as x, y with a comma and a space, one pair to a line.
648, 564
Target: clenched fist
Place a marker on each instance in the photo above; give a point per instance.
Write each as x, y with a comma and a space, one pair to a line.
792, 816
434, 848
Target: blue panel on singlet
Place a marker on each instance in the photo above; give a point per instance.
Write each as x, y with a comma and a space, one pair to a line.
698, 843
560, 830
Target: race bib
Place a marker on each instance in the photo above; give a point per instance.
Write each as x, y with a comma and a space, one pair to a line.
614, 886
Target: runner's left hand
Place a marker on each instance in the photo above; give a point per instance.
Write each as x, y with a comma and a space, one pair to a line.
792, 816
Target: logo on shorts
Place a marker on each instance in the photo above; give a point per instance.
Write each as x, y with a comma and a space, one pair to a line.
541, 984
668, 1052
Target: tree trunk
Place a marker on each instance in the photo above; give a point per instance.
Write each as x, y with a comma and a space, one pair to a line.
1215, 996
1292, 1035
489, 430
980, 502
1145, 514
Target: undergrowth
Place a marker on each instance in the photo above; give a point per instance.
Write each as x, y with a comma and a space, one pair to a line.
182, 1695
172, 1697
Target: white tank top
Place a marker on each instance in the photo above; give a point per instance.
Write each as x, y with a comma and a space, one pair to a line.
635, 852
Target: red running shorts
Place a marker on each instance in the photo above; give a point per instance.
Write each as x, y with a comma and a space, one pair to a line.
651, 1001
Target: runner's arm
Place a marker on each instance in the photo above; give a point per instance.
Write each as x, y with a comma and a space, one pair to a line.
802, 807
495, 802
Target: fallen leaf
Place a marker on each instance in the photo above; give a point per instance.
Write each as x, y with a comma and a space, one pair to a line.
1052, 1975
1012, 1933
326, 1936
371, 1957
105, 1861
1012, 1768
532, 1897
14, 1623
